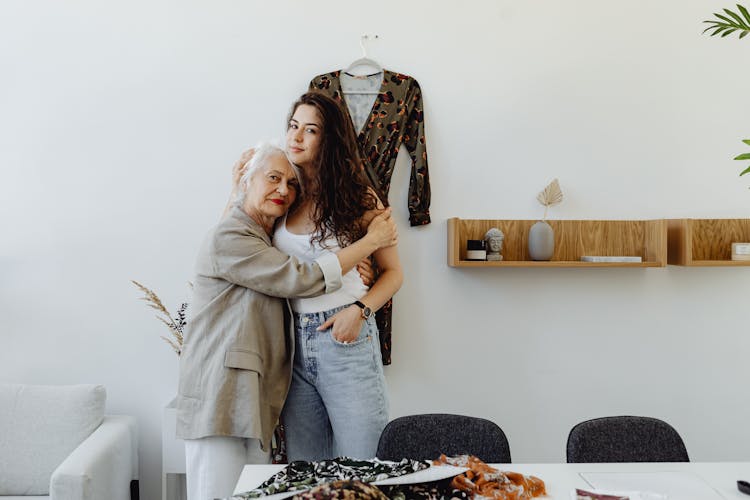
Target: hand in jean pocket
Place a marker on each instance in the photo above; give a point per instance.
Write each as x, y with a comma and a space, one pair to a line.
345, 325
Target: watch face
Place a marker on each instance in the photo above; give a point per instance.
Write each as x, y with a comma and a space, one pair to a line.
366, 311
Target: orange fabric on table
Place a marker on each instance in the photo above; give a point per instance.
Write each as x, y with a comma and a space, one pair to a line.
486, 481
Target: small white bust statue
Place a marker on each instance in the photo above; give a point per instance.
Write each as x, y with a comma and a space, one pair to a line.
494, 238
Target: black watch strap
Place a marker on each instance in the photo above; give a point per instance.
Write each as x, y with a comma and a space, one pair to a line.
366, 311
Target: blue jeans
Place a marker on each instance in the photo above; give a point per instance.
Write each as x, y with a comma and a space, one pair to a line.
337, 404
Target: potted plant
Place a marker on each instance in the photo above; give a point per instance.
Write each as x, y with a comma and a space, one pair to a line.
173, 449
724, 25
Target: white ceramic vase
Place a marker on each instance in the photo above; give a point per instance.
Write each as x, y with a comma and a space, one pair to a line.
541, 241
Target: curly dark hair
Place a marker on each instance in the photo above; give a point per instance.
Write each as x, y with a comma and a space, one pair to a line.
337, 181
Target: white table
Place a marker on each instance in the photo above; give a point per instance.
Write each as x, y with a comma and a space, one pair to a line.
561, 478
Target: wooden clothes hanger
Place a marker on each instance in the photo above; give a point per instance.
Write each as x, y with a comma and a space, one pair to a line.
364, 66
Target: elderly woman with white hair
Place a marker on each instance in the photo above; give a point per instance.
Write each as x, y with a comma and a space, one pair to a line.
236, 361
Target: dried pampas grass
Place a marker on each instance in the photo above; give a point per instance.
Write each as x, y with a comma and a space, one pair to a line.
175, 324
552, 195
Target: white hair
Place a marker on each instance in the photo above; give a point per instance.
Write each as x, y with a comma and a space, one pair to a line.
264, 151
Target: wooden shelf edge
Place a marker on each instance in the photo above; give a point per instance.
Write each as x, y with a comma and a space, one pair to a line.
716, 263
571, 263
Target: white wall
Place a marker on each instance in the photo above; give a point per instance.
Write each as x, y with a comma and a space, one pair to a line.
119, 123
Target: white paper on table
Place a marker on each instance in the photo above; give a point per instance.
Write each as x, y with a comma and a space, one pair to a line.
676, 485
630, 495
431, 473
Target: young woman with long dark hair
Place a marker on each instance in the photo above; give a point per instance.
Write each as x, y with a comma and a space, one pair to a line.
337, 403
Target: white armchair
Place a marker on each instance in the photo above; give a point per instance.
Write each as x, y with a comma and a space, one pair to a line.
56, 442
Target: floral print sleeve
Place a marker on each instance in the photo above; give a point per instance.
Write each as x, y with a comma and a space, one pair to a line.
414, 140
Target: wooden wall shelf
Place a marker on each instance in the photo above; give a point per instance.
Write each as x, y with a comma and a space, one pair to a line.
573, 238
706, 242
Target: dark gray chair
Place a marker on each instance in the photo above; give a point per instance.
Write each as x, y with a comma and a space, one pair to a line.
425, 437
625, 439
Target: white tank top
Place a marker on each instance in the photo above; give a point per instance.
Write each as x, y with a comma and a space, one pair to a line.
299, 246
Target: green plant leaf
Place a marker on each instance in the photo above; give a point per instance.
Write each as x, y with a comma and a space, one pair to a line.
744, 12
728, 21
717, 29
734, 16
744, 156
717, 25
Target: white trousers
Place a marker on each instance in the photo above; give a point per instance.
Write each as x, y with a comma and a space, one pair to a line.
214, 464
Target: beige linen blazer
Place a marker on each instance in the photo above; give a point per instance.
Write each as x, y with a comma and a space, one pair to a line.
236, 361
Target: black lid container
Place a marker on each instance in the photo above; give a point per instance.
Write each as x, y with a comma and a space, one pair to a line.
476, 250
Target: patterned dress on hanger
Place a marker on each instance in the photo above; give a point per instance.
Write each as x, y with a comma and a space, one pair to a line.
396, 117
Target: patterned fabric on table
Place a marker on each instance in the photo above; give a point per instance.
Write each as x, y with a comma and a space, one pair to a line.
301, 475
346, 490
435, 490
356, 490
486, 482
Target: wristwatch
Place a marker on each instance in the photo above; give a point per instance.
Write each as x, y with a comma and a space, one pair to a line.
366, 311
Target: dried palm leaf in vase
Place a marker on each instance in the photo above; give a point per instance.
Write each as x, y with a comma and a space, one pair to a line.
550, 196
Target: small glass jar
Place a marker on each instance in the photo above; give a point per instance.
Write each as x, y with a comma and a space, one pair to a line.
476, 250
